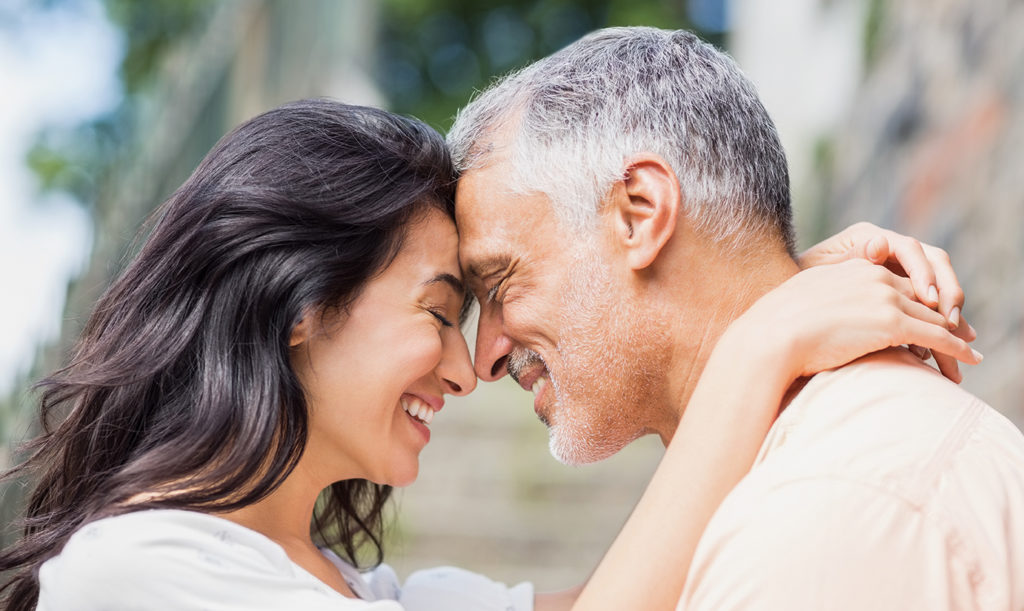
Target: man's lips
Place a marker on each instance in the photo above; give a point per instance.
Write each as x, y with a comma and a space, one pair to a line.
529, 379
535, 380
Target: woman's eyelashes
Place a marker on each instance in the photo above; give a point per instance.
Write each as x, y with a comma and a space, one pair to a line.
440, 317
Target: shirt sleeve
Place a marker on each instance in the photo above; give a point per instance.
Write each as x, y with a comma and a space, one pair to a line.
103, 571
824, 543
453, 589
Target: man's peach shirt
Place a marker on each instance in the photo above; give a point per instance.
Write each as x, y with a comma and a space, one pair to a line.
881, 486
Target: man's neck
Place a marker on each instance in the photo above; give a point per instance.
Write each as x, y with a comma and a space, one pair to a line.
699, 307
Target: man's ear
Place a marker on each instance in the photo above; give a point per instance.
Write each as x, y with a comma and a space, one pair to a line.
645, 206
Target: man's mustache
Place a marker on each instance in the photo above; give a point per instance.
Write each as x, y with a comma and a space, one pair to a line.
520, 360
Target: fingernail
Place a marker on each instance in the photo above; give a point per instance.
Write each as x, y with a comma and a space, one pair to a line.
954, 317
917, 350
933, 294
977, 355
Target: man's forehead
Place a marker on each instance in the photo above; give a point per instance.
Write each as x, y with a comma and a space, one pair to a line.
497, 224
484, 246
486, 205
487, 249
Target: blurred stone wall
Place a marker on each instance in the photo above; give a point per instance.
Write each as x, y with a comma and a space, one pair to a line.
933, 146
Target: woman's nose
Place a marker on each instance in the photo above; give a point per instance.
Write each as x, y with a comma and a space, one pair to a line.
456, 368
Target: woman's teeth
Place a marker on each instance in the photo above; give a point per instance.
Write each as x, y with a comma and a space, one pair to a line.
417, 409
539, 385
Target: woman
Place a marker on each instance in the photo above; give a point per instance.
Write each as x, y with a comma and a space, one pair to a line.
268, 366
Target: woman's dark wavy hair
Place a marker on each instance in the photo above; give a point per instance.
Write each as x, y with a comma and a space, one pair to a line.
181, 382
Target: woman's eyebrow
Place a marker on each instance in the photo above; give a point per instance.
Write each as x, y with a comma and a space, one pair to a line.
450, 280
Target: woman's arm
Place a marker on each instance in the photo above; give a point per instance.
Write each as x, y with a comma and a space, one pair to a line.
821, 318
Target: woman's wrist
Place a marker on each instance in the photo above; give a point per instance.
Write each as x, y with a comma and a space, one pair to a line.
766, 353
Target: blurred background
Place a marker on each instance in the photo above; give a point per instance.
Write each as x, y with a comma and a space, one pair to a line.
908, 114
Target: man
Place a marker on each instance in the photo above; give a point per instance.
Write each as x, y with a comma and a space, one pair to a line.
624, 200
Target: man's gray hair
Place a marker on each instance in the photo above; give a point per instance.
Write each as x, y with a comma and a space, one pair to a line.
571, 120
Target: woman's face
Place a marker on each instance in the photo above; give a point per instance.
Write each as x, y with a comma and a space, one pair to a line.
376, 375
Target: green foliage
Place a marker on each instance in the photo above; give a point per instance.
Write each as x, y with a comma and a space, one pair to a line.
433, 55
73, 160
150, 29
873, 23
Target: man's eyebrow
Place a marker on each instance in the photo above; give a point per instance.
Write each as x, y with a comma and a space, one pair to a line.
488, 265
450, 280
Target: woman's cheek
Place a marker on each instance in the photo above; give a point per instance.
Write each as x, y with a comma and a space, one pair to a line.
424, 352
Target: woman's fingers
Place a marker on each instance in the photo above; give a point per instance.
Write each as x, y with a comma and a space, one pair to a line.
922, 312
877, 251
947, 362
949, 367
951, 295
856, 241
926, 328
829, 315
922, 353
911, 257
969, 334
928, 267
941, 341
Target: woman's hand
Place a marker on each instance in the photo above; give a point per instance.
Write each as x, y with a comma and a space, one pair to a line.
929, 269
828, 315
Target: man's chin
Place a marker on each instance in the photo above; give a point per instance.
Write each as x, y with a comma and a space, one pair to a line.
576, 450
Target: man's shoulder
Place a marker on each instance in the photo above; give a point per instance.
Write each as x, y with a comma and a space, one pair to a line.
884, 418
886, 469
890, 431
892, 386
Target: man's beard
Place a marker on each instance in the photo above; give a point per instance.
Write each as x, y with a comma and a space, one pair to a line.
608, 372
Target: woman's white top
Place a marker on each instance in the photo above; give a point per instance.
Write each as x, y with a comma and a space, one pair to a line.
172, 560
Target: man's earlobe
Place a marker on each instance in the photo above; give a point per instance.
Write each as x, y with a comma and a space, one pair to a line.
646, 206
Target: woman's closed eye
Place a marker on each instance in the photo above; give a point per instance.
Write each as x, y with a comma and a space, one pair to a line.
439, 315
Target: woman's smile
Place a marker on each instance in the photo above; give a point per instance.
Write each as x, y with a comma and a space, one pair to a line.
398, 334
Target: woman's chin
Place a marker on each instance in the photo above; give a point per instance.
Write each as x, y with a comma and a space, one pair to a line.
402, 477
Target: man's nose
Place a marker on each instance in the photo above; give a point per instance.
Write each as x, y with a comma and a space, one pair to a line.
492, 346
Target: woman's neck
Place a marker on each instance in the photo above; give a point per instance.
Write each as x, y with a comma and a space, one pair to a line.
284, 516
